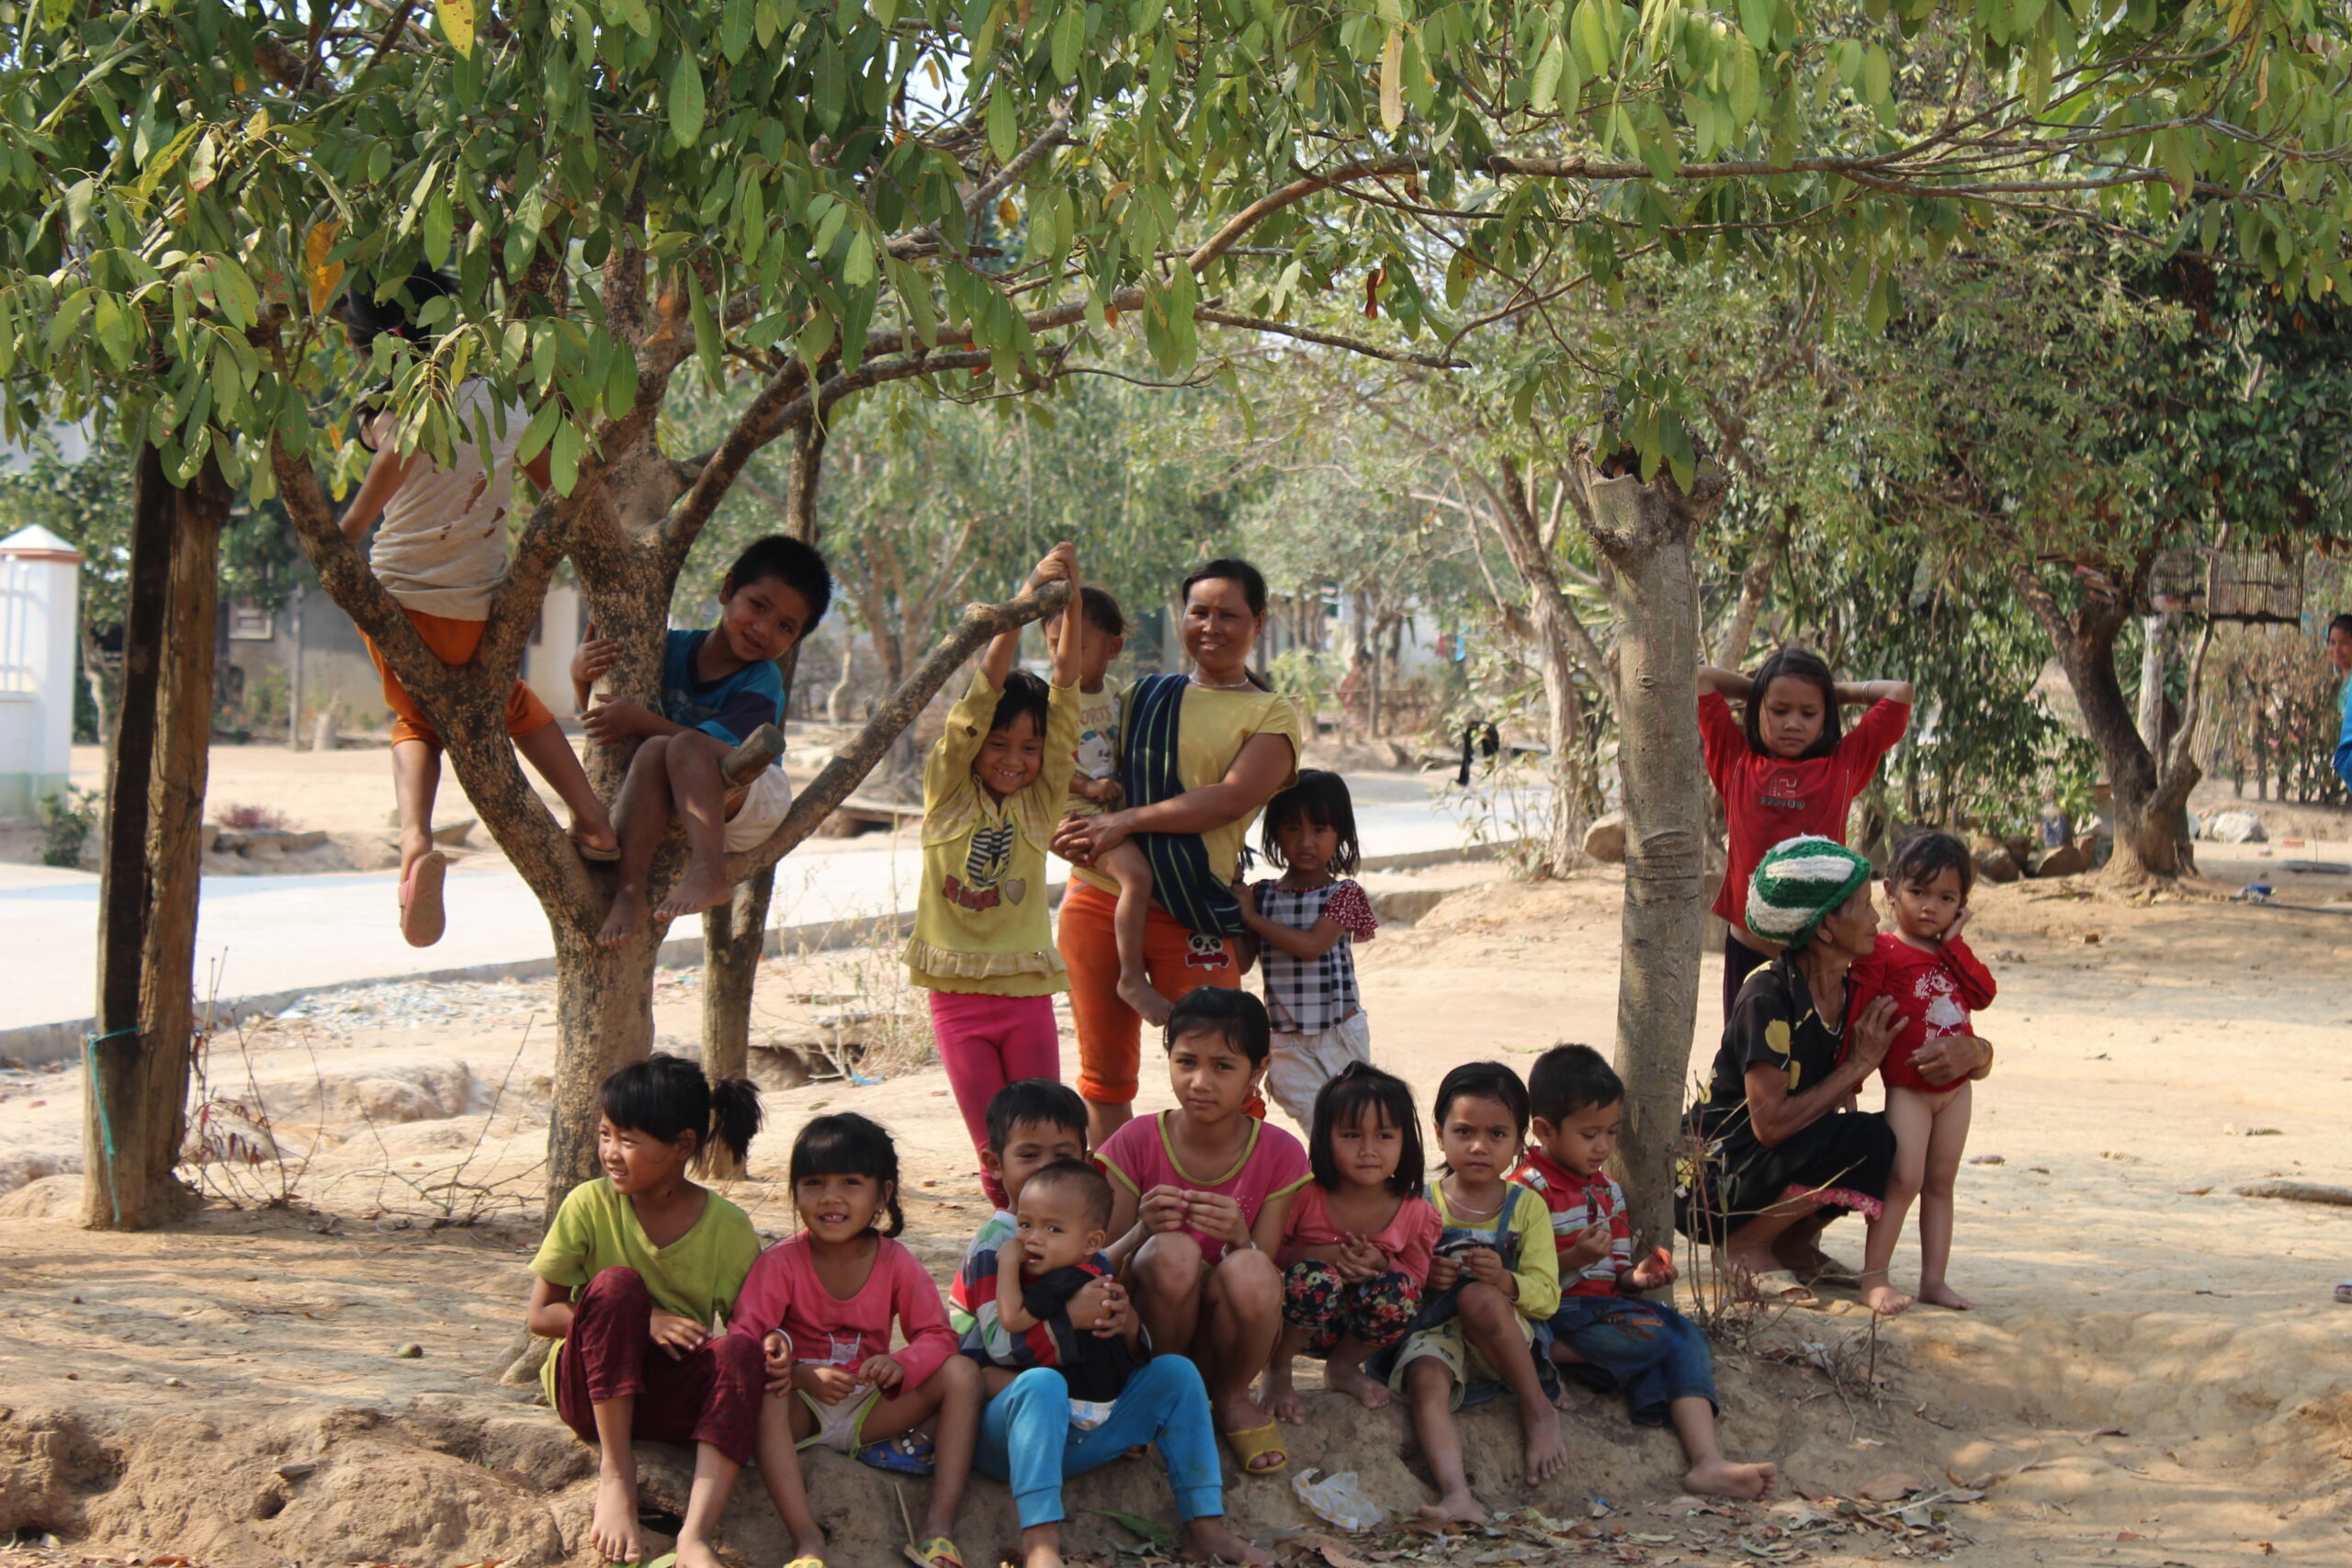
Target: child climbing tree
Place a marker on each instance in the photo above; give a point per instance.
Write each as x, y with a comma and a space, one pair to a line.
781, 197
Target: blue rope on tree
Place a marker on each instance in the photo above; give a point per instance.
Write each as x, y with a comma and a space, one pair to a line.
90, 1044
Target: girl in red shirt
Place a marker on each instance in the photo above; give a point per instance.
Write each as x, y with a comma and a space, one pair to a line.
1785, 768
1936, 983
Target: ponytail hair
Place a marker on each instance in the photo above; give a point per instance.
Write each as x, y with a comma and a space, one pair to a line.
667, 1097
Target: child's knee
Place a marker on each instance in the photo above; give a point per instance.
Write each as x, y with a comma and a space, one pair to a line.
1483, 1307
617, 1288
1170, 1262
1426, 1381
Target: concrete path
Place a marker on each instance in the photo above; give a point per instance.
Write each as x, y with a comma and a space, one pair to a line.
265, 935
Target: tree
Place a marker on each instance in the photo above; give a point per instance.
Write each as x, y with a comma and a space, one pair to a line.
795, 191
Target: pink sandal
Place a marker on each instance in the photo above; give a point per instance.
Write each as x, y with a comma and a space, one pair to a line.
423, 916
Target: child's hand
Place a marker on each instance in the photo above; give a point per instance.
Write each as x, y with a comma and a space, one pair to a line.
1214, 1213
1102, 792
1652, 1272
1060, 565
1445, 1269
826, 1385
593, 659
612, 721
775, 1352
1959, 923
1589, 1247
676, 1335
882, 1372
1484, 1265
1247, 893
1359, 1259
1163, 1210
1103, 1309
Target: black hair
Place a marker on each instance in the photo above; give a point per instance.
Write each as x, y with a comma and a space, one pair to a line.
368, 318
1236, 1015
1359, 1087
1483, 1080
845, 1144
1041, 1102
791, 562
1319, 800
1024, 696
1794, 664
1093, 1185
1566, 1078
667, 1097
1227, 569
1927, 854
2342, 623
1102, 612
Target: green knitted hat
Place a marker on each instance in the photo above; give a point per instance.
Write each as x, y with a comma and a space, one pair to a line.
1798, 882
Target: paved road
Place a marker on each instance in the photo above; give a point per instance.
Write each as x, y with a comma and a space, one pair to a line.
260, 935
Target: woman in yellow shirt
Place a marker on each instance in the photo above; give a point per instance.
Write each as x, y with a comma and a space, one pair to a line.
983, 941
1202, 753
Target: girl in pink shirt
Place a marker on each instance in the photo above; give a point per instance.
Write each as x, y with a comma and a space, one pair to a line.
1357, 1250
827, 1299
1202, 1197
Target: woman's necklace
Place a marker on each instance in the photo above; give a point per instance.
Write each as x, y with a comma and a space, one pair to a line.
1242, 685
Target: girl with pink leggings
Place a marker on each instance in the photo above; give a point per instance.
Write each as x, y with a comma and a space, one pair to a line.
983, 942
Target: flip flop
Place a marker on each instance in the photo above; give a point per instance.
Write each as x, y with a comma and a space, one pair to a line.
1778, 1285
591, 852
2343, 1292
901, 1455
1256, 1442
422, 915
937, 1552
806, 1563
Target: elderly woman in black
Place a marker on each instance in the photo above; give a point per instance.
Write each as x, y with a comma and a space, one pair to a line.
1783, 1151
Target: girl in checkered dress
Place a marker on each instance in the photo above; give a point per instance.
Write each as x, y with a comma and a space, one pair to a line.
1305, 923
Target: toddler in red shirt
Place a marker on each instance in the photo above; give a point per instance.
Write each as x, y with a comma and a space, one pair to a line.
1936, 983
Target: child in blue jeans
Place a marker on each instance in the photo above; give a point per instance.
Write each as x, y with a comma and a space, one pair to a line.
1603, 1334
1028, 1438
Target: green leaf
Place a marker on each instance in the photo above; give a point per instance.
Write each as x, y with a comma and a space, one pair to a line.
541, 429
1069, 41
620, 381
563, 458
1590, 34
1878, 76
686, 100
857, 267
1755, 21
1003, 133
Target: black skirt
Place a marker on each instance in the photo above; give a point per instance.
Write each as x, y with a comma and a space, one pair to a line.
1840, 1160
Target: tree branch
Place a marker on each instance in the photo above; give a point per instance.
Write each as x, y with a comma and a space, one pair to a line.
891, 718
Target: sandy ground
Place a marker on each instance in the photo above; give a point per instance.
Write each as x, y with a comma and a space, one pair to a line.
2155, 1375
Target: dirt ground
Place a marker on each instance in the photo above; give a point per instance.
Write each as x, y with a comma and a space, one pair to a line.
2155, 1375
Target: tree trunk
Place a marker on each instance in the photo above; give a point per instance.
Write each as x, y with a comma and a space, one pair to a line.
93, 677
135, 1111
1648, 532
837, 700
2151, 806
2155, 662
734, 933
604, 1021
1755, 584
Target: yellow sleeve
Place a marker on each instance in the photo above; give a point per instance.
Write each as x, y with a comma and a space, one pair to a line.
1539, 1260
566, 1256
1281, 718
1052, 787
967, 726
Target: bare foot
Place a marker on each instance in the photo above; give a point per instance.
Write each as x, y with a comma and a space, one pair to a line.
622, 920
1883, 1298
1210, 1539
1042, 1554
695, 1552
1547, 1452
1454, 1508
596, 841
1719, 1477
694, 892
1368, 1391
612, 1529
1150, 1004
1281, 1396
1943, 1295
814, 1548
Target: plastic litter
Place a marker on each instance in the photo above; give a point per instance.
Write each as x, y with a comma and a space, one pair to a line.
1338, 1499
2252, 893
